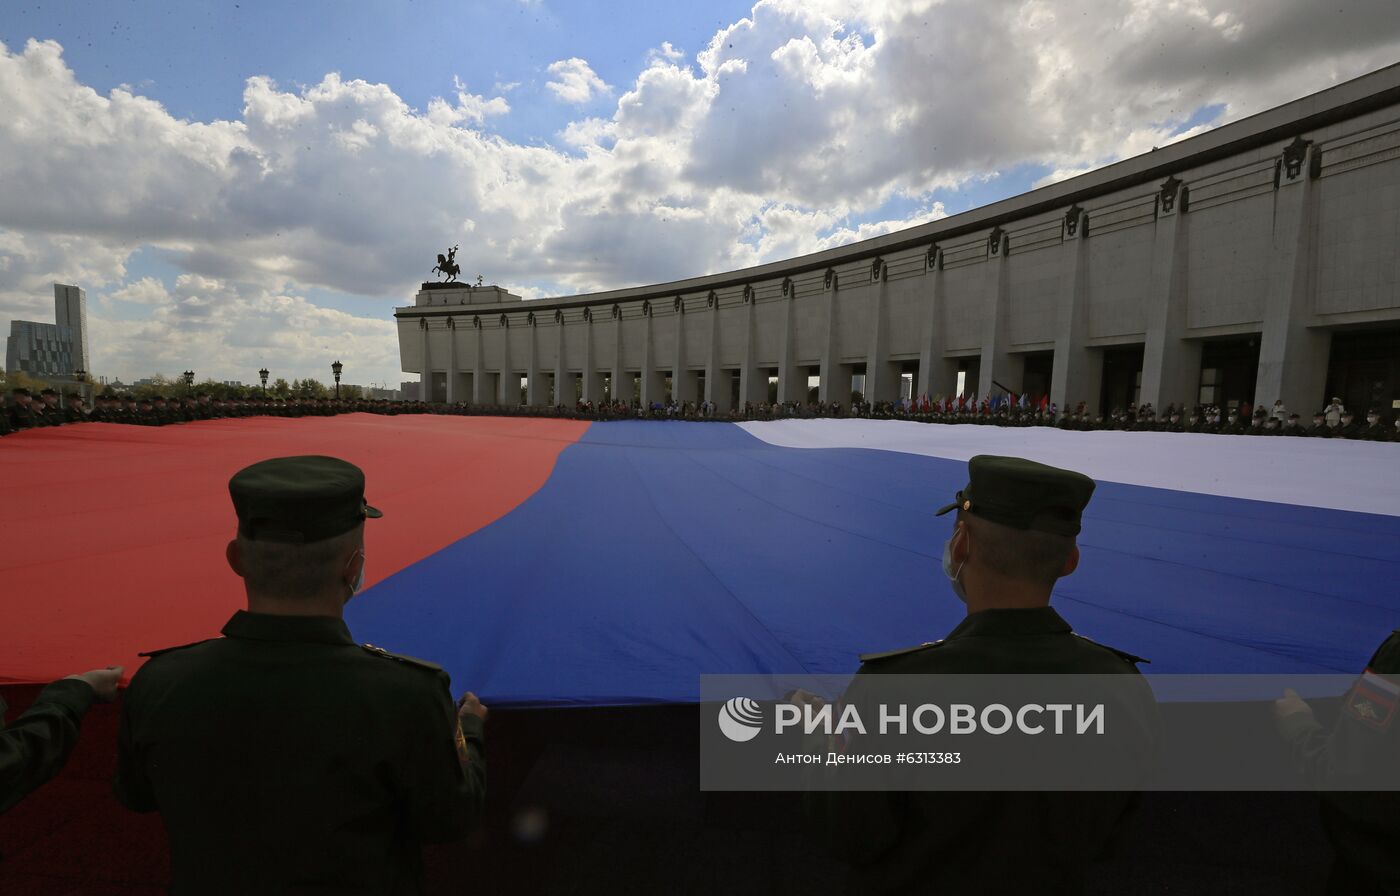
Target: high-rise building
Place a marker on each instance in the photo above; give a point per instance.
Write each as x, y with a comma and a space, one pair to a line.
70, 310
56, 349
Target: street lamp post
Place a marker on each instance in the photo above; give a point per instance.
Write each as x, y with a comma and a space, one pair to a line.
262, 375
335, 369
189, 381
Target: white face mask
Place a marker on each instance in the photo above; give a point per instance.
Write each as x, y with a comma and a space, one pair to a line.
359, 582
954, 576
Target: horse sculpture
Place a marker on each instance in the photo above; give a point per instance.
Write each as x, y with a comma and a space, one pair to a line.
448, 265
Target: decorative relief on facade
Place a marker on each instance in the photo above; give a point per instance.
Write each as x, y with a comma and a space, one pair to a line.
995, 240
617, 312
1294, 155
711, 299
1167, 195
451, 324
787, 287
748, 293
829, 280
678, 305
1072, 220
934, 259
530, 319
558, 316
646, 308
505, 322
476, 321
877, 270
588, 314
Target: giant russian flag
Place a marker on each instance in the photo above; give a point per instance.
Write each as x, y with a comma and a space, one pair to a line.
552, 562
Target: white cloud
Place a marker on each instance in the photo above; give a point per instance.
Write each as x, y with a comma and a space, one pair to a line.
575, 81
228, 331
146, 291
787, 133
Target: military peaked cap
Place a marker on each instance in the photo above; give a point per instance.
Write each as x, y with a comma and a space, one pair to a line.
1024, 494
299, 499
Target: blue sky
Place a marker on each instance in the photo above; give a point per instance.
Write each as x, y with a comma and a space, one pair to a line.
194, 56
306, 160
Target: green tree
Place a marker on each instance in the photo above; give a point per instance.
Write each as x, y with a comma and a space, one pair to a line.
280, 388
309, 388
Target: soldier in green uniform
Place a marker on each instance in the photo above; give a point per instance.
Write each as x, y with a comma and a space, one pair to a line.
1013, 539
73, 409
1357, 767
49, 408
283, 756
21, 409
1374, 430
34, 747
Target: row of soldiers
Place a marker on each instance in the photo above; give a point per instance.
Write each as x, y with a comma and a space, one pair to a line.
25, 411
1145, 419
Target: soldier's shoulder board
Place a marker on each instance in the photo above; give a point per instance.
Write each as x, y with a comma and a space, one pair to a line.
1132, 658
876, 657
164, 650
400, 658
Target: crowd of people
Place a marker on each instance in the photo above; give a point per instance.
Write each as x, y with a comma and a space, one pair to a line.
1335, 421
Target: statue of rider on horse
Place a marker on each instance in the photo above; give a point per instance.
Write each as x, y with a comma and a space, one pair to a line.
448, 265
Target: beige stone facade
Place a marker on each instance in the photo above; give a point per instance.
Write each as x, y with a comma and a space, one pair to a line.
1257, 261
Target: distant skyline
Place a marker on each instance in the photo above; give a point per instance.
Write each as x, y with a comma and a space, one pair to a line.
247, 184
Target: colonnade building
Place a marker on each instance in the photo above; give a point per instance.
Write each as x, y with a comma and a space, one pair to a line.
1257, 261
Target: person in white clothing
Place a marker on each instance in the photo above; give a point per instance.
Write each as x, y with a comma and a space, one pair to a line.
1334, 412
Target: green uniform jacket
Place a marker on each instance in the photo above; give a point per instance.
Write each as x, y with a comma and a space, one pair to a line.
34, 748
286, 758
1357, 765
981, 843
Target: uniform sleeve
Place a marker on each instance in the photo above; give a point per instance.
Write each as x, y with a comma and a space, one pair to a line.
34, 748
1362, 750
446, 773
132, 786
857, 827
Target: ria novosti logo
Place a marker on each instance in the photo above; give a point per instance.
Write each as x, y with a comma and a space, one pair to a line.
740, 719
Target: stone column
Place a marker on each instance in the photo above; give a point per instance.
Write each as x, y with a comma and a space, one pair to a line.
716, 378
750, 387
592, 380
792, 386
452, 361
682, 377
1293, 358
480, 394
564, 388
938, 376
997, 369
507, 383
426, 384
835, 376
1171, 364
652, 384
534, 379
881, 376
621, 379
1077, 374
